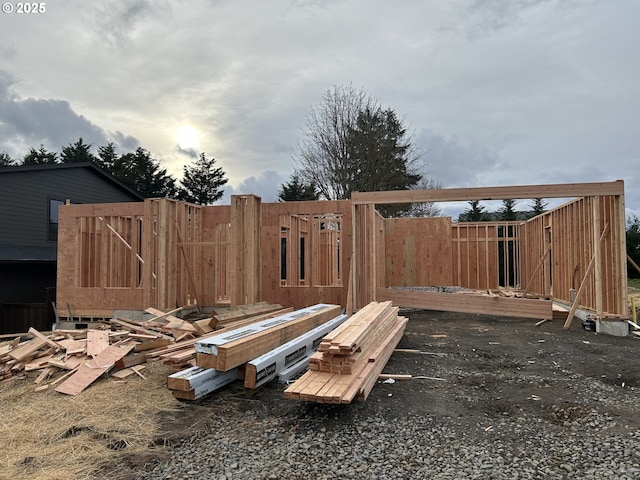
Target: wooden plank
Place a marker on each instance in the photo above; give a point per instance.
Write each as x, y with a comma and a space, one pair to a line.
127, 372
251, 320
203, 326
90, 371
516, 192
137, 328
153, 344
97, 341
27, 349
449, 302
244, 311
42, 337
379, 359
131, 360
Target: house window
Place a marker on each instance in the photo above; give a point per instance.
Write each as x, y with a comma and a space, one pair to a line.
310, 250
53, 218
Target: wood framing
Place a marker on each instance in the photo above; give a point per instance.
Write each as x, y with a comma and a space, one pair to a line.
163, 253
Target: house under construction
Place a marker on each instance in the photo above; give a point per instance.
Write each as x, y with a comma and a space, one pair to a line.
163, 253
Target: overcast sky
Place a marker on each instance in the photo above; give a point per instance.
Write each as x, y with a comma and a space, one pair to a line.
497, 92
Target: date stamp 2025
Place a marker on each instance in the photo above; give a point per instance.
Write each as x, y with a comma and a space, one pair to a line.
24, 8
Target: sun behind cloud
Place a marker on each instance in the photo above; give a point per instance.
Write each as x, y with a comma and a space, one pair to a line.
187, 137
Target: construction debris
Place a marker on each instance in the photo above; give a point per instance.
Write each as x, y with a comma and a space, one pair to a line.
71, 360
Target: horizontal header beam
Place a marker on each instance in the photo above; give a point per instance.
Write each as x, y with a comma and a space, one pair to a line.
568, 190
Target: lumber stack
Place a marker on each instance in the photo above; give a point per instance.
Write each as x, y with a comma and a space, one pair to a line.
238, 346
256, 353
350, 358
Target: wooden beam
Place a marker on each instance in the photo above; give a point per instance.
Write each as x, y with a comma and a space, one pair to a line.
480, 304
570, 190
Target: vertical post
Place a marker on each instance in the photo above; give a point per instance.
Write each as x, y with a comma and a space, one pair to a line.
149, 254
373, 231
597, 253
245, 240
354, 259
621, 248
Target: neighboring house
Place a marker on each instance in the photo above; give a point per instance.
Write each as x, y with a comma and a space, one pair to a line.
29, 201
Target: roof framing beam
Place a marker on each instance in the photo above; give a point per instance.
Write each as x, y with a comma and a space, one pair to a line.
568, 190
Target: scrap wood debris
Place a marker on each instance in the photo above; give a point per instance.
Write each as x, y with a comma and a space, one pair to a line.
71, 360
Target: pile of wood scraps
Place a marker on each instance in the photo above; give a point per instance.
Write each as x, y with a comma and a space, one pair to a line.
71, 360
350, 359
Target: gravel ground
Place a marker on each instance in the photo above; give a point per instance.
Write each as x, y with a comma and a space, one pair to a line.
412, 447
516, 402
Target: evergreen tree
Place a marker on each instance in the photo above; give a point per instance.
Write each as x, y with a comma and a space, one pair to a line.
633, 244
77, 152
351, 143
475, 213
297, 190
6, 160
107, 157
40, 157
144, 175
538, 207
202, 182
508, 212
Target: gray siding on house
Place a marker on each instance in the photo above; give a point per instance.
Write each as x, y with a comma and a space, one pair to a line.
25, 195
27, 256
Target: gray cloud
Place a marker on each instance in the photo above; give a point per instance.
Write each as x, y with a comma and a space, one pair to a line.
454, 162
266, 185
26, 123
189, 152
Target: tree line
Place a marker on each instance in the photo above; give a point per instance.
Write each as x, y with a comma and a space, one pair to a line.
507, 213
201, 183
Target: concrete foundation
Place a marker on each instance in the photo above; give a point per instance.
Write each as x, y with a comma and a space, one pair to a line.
617, 329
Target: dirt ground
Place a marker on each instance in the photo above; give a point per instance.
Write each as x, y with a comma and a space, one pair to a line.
477, 369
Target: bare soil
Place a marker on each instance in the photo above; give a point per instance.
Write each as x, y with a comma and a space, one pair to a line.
477, 369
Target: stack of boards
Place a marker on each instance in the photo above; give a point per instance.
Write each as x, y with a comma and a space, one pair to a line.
257, 352
350, 358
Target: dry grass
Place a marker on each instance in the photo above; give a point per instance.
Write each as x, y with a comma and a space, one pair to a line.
47, 435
